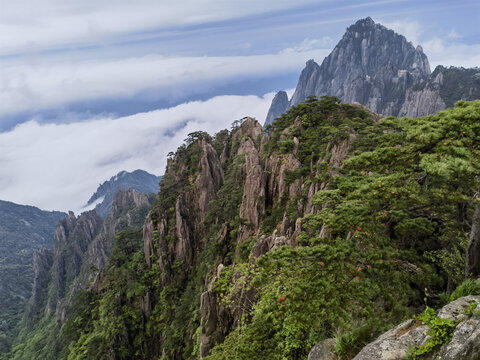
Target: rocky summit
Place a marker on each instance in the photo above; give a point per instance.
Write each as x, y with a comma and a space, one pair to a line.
378, 68
139, 180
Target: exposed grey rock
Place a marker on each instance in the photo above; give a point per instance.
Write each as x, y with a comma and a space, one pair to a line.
324, 350
191, 207
209, 179
279, 105
129, 209
81, 248
307, 83
421, 103
380, 69
42, 263
465, 344
255, 179
370, 65
393, 345
72, 237
472, 266
4, 326
216, 322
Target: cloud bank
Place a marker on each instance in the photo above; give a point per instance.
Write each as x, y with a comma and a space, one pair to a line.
26, 26
43, 85
59, 166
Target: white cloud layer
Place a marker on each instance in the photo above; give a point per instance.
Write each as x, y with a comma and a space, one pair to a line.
309, 44
28, 26
43, 85
58, 167
449, 51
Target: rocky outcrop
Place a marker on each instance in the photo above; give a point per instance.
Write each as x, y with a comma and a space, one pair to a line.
254, 188
279, 105
380, 69
472, 267
370, 65
72, 237
82, 246
42, 263
442, 89
175, 236
307, 83
216, 318
209, 179
324, 350
261, 184
424, 99
104, 196
129, 209
465, 343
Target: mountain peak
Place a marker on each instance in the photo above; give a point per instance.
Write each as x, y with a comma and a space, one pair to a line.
139, 180
279, 104
366, 64
311, 63
367, 22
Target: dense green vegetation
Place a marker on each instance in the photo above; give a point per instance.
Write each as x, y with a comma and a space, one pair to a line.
396, 221
389, 232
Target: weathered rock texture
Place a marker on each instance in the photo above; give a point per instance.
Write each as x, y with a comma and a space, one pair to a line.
380, 69
441, 90
465, 344
81, 248
42, 263
323, 351
174, 233
23, 231
72, 238
280, 104
473, 251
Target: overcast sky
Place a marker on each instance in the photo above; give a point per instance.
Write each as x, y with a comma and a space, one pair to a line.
90, 88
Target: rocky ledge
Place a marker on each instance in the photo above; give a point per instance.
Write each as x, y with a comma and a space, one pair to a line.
396, 343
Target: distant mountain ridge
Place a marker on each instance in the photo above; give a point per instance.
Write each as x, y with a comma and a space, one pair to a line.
138, 180
23, 230
380, 69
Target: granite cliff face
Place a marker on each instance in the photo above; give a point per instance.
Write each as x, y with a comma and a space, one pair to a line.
380, 69
371, 65
82, 246
280, 104
441, 90
72, 238
250, 188
23, 230
265, 243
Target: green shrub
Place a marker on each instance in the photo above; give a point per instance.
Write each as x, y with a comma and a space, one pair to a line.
441, 332
468, 287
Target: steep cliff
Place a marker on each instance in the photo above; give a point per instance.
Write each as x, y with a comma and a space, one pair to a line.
81, 248
441, 90
380, 69
23, 230
280, 104
331, 224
